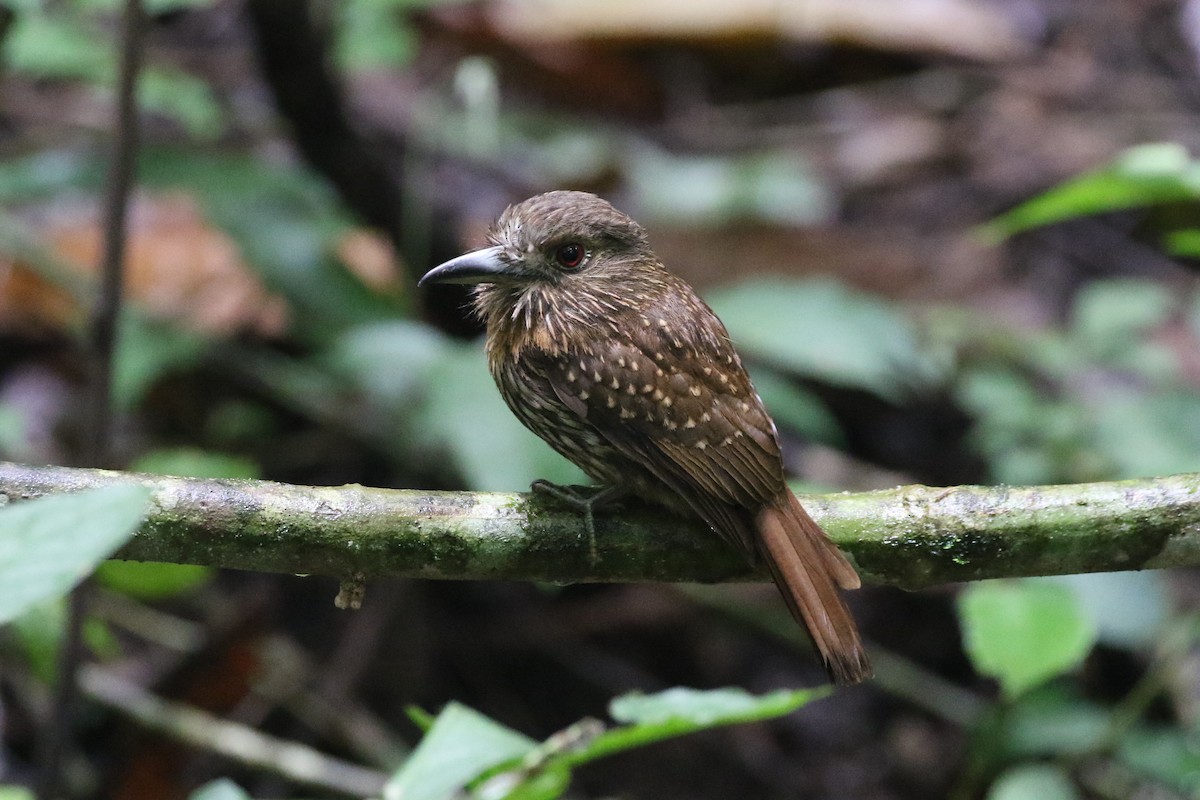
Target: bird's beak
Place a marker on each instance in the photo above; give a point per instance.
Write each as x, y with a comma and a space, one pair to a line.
478, 266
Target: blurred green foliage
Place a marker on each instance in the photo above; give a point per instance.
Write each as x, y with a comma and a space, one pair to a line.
1109, 395
771, 186
220, 789
1030, 781
826, 331
57, 41
39, 631
1145, 176
12, 432
1023, 632
50, 544
1106, 397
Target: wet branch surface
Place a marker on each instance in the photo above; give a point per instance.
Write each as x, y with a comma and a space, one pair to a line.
911, 536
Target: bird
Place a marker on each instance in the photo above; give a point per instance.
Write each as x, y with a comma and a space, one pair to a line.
619, 365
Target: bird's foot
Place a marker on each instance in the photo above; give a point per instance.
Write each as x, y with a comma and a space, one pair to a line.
587, 504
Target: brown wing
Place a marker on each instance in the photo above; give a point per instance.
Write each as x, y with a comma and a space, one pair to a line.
681, 404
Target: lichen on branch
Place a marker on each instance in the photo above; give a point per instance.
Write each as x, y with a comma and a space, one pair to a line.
910, 536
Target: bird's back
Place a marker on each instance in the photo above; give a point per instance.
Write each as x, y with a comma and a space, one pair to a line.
653, 397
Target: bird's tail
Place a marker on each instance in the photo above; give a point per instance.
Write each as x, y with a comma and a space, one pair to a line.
809, 569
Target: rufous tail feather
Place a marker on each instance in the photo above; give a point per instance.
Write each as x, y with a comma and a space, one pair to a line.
809, 569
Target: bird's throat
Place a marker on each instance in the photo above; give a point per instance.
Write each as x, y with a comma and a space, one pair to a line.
518, 317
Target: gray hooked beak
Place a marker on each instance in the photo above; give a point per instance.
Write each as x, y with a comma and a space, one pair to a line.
478, 266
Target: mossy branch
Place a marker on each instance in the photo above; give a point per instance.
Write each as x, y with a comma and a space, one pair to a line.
911, 536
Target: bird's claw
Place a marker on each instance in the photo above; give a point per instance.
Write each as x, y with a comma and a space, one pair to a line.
571, 496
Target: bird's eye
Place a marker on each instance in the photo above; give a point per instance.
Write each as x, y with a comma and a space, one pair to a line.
570, 255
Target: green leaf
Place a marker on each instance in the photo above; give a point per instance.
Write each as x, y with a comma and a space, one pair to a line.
15, 793
12, 432
545, 784
184, 98
419, 717
492, 449
54, 46
461, 745
1148, 433
1003, 397
707, 708
794, 407
153, 7
680, 711
1023, 632
46, 172
1050, 722
776, 186
1184, 243
1027, 437
220, 789
152, 580
50, 544
373, 34
1145, 175
1109, 316
821, 329
287, 224
39, 630
1167, 754
390, 360
235, 422
1033, 782
149, 350
1129, 609
545, 772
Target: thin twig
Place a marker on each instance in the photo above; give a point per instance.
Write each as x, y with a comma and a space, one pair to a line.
102, 332
102, 328
295, 762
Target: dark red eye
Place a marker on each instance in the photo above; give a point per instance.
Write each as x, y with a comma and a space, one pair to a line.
570, 255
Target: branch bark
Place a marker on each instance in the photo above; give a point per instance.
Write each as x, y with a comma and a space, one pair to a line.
911, 536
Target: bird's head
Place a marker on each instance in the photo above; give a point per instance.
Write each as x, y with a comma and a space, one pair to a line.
554, 250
